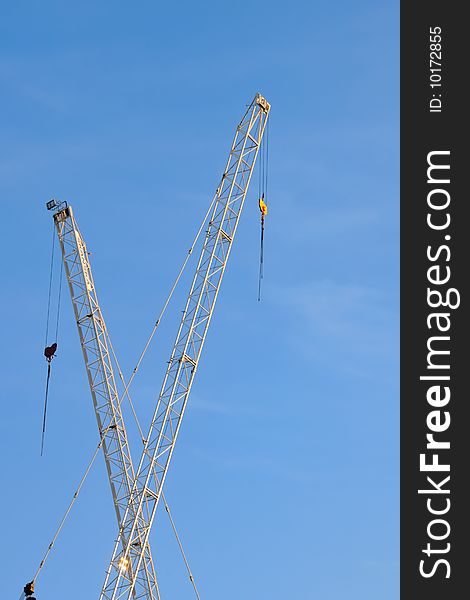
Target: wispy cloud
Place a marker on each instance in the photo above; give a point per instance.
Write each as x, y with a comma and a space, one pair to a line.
354, 324
228, 410
261, 465
323, 223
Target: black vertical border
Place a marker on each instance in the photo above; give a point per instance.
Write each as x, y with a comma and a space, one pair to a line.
423, 132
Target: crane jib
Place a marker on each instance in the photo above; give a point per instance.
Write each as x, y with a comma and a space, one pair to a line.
94, 341
128, 554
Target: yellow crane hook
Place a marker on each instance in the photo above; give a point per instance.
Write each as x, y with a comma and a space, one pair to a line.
263, 207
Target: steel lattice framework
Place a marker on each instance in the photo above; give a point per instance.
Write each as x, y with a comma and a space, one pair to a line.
94, 341
129, 550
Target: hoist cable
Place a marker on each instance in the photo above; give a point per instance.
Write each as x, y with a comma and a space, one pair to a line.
58, 301
51, 277
45, 406
259, 177
261, 258
267, 159
261, 166
50, 286
72, 502
261, 159
263, 192
262, 206
167, 508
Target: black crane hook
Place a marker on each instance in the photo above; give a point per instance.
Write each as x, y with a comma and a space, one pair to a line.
49, 353
28, 591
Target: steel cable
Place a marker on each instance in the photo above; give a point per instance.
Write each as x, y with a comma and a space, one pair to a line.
72, 502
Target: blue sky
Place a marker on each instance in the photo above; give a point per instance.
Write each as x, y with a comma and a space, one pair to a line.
284, 482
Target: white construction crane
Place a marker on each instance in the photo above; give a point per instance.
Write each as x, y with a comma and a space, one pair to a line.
96, 353
131, 572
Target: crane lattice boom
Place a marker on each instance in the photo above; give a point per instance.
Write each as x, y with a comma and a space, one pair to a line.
94, 341
129, 551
